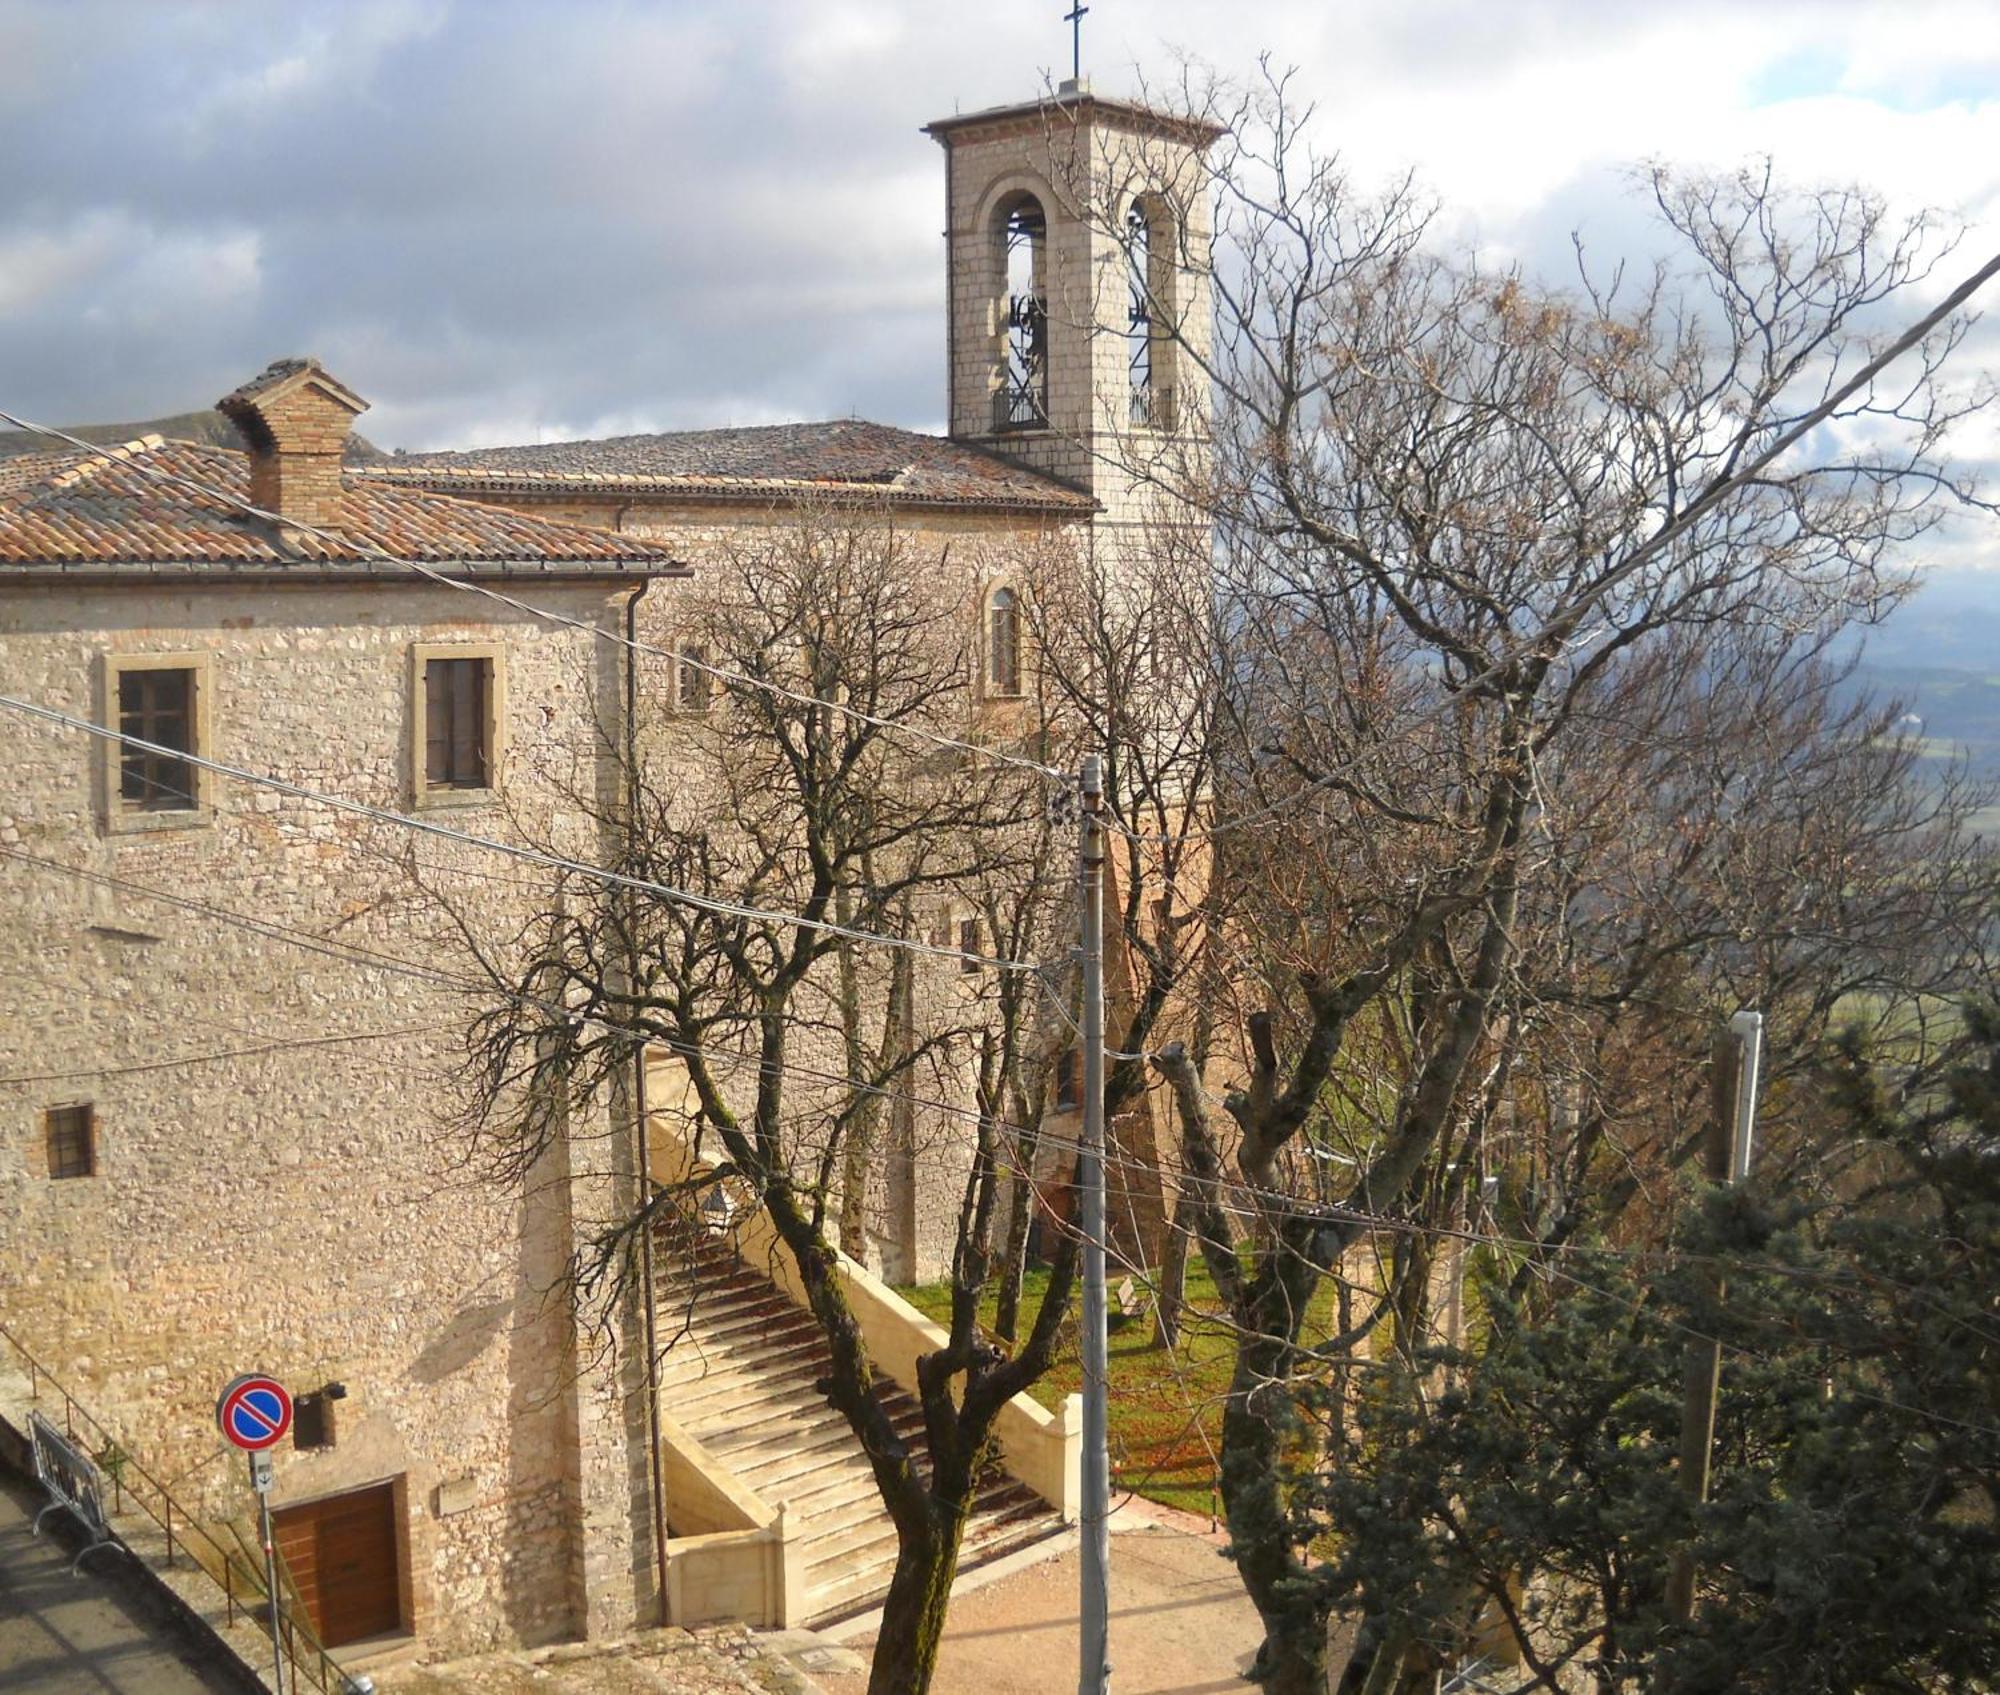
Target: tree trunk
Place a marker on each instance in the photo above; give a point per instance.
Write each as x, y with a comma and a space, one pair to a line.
1257, 1426
1013, 1260
1171, 1294
906, 1647
1020, 1214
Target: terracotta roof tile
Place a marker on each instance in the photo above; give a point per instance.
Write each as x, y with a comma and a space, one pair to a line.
847, 457
106, 508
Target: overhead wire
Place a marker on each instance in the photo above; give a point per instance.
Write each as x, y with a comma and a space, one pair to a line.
1566, 616
446, 580
1236, 1190
530, 855
736, 1062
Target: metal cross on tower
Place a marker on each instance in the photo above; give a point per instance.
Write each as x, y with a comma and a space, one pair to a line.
1074, 18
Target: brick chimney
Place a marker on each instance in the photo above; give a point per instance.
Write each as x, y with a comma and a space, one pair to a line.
296, 419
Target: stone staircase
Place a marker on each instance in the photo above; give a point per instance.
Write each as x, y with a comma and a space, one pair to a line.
740, 1363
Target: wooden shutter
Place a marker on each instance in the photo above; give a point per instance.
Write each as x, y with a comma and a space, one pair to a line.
455, 723
437, 723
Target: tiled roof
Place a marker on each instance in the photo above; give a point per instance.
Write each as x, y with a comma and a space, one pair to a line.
272, 374
77, 510
845, 457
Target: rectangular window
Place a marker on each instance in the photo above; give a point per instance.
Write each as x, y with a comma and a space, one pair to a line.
157, 706
72, 1133
456, 754
1069, 1081
968, 945
691, 688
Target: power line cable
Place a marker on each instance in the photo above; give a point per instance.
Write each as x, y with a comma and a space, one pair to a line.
1561, 625
535, 856
384, 556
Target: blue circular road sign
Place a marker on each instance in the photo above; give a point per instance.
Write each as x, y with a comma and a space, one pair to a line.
254, 1412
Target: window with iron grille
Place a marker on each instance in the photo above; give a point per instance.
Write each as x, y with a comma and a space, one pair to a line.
157, 706
457, 754
72, 1135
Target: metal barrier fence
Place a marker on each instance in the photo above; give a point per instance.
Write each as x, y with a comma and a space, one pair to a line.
308, 1663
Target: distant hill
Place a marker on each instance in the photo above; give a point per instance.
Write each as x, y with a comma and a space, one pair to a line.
209, 427
1939, 655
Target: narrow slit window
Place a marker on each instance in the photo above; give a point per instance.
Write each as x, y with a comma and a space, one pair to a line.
691, 688
968, 946
72, 1140
457, 754
1003, 642
157, 706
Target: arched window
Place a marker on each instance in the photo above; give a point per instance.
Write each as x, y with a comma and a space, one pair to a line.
1150, 242
1021, 400
1139, 331
1003, 642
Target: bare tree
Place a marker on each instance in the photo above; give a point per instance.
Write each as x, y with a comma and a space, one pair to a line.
1478, 537
795, 792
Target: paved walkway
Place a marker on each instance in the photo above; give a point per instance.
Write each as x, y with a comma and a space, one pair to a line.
1180, 1622
727, 1661
99, 1633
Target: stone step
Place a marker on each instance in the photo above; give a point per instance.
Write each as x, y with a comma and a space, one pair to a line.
866, 1584
697, 1364
740, 1377
759, 1453
711, 1365
747, 1444
716, 1311
772, 1313
866, 1535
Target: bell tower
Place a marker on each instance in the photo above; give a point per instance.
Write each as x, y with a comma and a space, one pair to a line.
1077, 244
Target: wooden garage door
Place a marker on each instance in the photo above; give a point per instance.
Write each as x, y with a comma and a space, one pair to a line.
341, 1553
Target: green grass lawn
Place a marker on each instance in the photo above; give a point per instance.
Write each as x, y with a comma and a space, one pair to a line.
1166, 1408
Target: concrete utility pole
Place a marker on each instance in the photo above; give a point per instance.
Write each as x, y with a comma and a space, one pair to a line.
1738, 1056
1094, 1656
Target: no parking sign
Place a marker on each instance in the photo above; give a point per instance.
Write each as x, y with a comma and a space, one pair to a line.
254, 1412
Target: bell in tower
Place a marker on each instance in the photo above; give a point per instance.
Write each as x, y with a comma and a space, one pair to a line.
1077, 231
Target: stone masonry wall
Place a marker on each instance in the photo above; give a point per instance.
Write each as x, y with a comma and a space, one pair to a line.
302, 1209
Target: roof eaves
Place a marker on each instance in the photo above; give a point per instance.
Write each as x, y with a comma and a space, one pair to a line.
322, 572
724, 489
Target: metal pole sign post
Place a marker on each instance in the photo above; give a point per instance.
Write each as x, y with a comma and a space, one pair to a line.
254, 1412
1094, 1566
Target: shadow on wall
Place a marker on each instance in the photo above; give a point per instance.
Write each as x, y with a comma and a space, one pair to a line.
468, 1334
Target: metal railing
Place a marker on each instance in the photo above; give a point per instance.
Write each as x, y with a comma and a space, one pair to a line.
230, 1571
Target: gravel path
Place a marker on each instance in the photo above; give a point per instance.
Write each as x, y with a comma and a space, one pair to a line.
1180, 1622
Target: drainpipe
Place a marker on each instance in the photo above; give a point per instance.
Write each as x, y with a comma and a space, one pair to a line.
639, 1142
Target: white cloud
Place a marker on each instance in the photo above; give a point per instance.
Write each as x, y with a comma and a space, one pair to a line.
39, 265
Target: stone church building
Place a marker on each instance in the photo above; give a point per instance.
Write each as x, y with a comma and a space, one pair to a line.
229, 1069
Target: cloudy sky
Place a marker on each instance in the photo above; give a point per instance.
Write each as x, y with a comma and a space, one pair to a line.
514, 220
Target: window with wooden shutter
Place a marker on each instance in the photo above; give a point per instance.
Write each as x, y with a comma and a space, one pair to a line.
456, 751
72, 1140
157, 706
